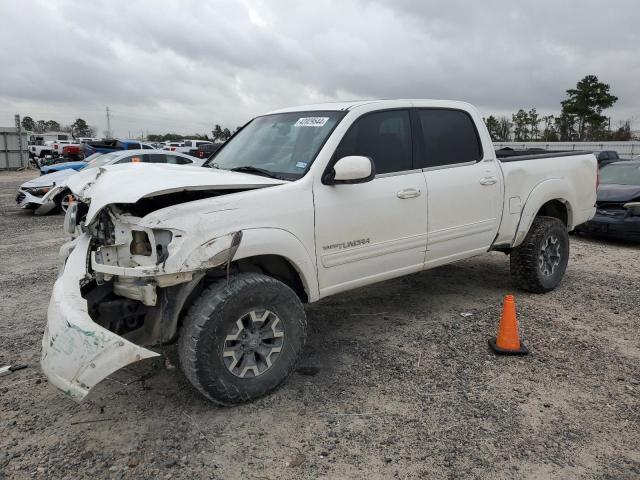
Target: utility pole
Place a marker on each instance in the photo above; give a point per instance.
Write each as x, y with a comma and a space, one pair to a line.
20, 144
108, 124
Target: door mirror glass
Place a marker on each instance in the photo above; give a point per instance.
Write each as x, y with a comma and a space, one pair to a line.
352, 169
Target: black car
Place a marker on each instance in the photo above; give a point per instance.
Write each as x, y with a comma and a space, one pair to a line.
205, 150
618, 203
605, 157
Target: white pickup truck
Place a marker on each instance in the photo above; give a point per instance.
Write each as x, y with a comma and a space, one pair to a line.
42, 144
50, 147
42, 150
185, 145
301, 204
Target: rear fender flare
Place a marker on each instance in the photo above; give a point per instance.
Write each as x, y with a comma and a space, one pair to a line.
545, 191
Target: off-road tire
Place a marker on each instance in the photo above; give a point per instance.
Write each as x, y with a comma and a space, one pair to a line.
208, 322
526, 271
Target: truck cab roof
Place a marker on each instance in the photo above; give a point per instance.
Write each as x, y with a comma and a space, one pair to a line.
381, 103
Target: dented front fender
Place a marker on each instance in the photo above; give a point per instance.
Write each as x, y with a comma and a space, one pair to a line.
77, 353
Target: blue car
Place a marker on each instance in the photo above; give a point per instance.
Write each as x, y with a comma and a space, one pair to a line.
56, 167
108, 146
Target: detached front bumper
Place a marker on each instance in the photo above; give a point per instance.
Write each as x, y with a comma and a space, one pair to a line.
77, 353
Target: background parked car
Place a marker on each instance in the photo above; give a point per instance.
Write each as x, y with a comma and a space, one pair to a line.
72, 152
205, 150
618, 203
41, 150
107, 146
187, 145
76, 165
41, 144
173, 145
57, 167
45, 193
605, 157
59, 145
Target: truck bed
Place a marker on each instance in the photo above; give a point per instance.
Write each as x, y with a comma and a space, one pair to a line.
510, 155
567, 176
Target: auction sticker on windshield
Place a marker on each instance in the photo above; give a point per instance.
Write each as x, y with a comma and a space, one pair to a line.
311, 122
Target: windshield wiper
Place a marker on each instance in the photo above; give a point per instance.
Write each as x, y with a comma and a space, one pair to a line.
257, 171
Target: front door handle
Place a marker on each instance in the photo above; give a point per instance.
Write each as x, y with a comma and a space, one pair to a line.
408, 193
488, 181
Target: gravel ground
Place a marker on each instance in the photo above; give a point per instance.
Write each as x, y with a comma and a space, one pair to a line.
394, 382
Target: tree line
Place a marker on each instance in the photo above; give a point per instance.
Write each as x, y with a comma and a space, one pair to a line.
580, 119
218, 134
79, 128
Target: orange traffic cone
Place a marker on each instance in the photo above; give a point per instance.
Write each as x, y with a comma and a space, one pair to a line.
508, 340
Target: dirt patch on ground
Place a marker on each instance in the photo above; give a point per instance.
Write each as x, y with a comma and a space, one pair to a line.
394, 383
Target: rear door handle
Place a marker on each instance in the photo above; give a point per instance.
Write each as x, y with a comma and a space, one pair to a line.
488, 181
408, 193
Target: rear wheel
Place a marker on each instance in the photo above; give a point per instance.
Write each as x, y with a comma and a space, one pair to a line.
539, 264
241, 340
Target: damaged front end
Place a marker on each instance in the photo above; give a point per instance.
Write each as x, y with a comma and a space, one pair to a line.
77, 353
122, 286
139, 257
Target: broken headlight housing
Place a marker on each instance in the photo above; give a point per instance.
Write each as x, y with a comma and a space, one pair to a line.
37, 191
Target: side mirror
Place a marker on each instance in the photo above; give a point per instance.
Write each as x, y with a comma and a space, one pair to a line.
352, 169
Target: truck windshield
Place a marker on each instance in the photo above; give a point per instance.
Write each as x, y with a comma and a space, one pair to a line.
282, 145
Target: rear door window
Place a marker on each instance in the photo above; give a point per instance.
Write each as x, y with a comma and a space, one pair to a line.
177, 160
154, 158
384, 137
448, 137
131, 159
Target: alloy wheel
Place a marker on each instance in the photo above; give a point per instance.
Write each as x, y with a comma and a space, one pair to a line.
549, 256
253, 344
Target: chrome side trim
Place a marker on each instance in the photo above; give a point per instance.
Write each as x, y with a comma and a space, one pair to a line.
453, 165
396, 174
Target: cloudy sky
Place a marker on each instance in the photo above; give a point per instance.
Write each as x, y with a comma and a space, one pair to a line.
183, 66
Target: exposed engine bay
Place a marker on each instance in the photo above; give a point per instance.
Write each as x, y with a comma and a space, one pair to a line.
144, 308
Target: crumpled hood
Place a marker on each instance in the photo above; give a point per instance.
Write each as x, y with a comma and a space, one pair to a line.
128, 183
612, 192
50, 179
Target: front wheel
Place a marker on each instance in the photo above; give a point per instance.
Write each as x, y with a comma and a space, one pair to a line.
65, 199
538, 265
242, 338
